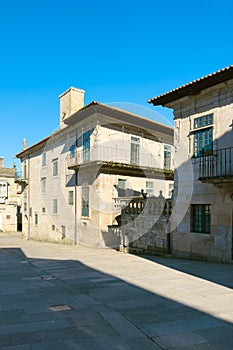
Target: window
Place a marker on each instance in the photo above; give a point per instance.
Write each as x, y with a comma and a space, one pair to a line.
86, 146
167, 157
150, 188
72, 151
3, 189
203, 139
36, 219
55, 167
170, 190
30, 211
71, 197
55, 207
121, 187
85, 200
43, 210
25, 169
63, 232
200, 122
25, 202
135, 148
43, 184
43, 159
203, 142
200, 218
53, 227
8, 217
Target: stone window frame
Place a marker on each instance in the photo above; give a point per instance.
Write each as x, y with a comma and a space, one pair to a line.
200, 218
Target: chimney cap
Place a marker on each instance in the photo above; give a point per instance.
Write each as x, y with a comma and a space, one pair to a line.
74, 89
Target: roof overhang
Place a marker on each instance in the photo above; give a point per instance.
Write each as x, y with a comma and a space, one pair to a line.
194, 87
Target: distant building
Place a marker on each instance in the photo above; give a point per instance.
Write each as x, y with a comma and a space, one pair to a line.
77, 179
10, 209
203, 194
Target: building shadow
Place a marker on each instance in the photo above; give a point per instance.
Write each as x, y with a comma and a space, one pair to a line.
65, 304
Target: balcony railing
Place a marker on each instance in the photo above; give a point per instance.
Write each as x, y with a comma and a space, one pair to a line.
218, 164
112, 154
21, 178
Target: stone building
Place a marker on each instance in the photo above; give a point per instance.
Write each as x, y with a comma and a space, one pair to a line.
77, 179
203, 194
10, 210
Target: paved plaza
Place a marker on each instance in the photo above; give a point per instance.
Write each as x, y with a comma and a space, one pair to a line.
70, 297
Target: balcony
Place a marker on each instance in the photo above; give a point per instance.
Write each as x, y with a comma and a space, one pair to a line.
21, 179
217, 168
115, 160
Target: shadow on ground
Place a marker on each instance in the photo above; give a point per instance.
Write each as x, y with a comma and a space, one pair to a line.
64, 304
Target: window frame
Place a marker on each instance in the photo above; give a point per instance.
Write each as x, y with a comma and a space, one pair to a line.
36, 217
55, 206
72, 151
203, 135
43, 185
150, 188
200, 218
86, 143
25, 201
71, 197
85, 208
135, 150
167, 157
55, 167
44, 159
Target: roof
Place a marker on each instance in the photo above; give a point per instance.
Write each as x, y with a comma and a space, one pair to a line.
37, 145
194, 87
120, 114
123, 116
7, 172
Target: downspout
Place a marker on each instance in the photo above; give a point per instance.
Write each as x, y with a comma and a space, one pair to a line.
75, 207
75, 188
29, 217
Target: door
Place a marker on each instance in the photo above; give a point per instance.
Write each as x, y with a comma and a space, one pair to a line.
86, 146
19, 219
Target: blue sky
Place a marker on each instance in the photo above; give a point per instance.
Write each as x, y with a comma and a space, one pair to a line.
117, 51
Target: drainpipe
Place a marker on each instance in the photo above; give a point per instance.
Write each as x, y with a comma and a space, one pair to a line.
168, 248
75, 207
29, 217
75, 188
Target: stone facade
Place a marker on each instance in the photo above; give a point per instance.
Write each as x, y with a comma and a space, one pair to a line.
74, 178
10, 208
145, 226
203, 195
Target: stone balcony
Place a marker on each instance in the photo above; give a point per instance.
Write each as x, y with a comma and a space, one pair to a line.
21, 179
113, 160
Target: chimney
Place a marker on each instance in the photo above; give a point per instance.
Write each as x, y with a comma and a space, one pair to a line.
2, 163
71, 101
24, 144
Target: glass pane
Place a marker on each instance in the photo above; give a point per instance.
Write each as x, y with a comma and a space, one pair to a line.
134, 157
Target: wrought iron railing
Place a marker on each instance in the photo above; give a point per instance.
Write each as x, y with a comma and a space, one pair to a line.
112, 154
217, 164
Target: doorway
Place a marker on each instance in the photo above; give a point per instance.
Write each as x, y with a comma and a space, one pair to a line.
19, 219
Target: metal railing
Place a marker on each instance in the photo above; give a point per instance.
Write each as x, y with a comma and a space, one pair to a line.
20, 175
111, 154
217, 164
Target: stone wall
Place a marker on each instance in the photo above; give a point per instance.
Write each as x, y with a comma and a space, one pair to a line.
144, 225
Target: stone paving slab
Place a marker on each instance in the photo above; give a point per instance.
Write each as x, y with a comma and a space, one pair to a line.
70, 297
